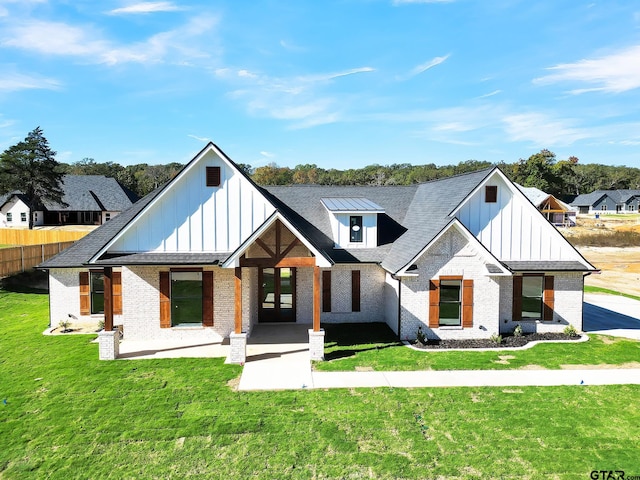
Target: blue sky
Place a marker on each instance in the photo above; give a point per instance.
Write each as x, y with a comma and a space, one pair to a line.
340, 84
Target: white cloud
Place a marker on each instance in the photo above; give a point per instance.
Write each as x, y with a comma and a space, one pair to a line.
56, 38
615, 73
418, 69
543, 130
146, 7
12, 82
267, 154
200, 139
490, 94
299, 100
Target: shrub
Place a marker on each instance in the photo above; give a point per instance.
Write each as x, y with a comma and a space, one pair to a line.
100, 325
64, 325
570, 330
422, 338
495, 338
517, 332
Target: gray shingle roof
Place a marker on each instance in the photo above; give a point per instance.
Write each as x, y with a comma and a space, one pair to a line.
93, 193
618, 196
539, 266
84, 249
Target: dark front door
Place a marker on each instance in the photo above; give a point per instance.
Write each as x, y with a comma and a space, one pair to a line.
277, 295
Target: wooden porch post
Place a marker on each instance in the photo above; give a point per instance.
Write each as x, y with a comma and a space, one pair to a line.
108, 299
238, 300
316, 299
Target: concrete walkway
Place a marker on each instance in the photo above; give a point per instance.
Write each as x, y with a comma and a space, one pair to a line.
612, 315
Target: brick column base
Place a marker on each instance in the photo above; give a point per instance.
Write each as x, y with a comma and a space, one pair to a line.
238, 348
109, 344
316, 345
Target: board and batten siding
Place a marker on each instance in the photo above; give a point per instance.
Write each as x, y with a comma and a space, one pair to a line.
512, 228
192, 217
341, 230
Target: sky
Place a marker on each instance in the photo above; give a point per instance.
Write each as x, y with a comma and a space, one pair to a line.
336, 83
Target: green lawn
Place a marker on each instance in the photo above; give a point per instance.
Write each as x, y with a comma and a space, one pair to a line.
590, 289
64, 414
378, 349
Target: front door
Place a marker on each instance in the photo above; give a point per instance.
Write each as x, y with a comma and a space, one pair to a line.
277, 295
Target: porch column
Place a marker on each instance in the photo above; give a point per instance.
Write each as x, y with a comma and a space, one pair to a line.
316, 299
316, 335
108, 299
237, 339
238, 300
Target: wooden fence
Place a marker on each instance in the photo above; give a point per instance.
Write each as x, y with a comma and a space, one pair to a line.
18, 259
17, 236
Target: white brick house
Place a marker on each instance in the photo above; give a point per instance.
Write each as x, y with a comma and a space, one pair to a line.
210, 255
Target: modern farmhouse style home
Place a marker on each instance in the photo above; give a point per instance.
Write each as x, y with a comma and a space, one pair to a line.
211, 254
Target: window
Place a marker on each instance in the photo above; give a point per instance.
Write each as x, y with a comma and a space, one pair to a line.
632, 208
355, 228
213, 176
9, 217
23, 216
97, 292
355, 290
532, 291
326, 291
491, 194
186, 298
107, 217
603, 207
450, 302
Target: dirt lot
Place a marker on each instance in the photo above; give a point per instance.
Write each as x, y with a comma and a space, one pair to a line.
620, 266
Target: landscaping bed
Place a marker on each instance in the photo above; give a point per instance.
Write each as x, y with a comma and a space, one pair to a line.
508, 341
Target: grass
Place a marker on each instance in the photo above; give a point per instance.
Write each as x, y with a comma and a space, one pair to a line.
590, 289
68, 415
347, 349
616, 238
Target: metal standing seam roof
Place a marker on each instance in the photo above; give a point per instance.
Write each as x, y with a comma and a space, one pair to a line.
351, 204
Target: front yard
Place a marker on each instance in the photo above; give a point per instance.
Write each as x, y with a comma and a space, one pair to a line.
64, 414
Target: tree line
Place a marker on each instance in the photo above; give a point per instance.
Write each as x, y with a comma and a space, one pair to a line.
564, 178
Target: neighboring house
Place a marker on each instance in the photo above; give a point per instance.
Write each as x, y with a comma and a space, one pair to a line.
608, 201
89, 199
211, 254
553, 209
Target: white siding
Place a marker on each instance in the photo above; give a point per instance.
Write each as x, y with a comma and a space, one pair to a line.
191, 217
391, 293
16, 208
341, 230
512, 228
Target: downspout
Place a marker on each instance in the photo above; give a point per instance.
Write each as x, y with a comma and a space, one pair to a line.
399, 306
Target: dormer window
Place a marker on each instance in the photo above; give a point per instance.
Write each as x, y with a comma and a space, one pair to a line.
354, 221
355, 224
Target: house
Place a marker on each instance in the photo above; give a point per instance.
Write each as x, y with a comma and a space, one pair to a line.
553, 209
211, 254
608, 201
89, 200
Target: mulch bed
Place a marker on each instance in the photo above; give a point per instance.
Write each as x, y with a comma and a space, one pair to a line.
507, 341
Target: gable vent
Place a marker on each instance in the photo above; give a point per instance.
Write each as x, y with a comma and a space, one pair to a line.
213, 176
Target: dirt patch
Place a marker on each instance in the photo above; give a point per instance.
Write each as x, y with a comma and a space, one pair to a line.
508, 341
77, 328
620, 268
532, 367
364, 369
601, 366
234, 383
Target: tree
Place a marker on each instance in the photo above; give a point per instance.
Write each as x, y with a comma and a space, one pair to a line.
30, 167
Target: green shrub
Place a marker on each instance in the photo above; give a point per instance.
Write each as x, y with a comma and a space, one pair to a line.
64, 325
422, 338
570, 330
100, 325
517, 332
495, 338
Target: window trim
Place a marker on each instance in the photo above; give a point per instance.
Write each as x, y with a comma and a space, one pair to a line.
92, 292
166, 302
23, 216
9, 217
459, 301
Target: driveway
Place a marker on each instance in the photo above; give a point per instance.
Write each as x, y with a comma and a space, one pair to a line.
611, 315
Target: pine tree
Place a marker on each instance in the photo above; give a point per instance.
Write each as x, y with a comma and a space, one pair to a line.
30, 167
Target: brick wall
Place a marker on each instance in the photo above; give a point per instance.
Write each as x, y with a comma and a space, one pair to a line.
450, 255
567, 302
64, 298
372, 280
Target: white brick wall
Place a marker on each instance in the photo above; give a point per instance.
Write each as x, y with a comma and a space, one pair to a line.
64, 298
372, 280
567, 305
451, 255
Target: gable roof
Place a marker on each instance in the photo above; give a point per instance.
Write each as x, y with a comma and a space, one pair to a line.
409, 219
618, 196
4, 199
93, 193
